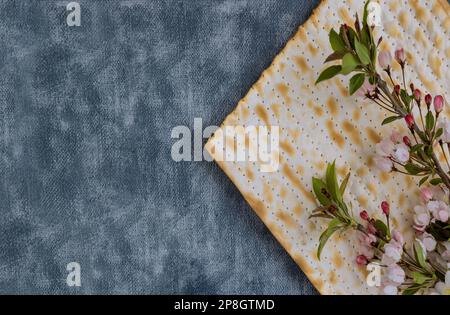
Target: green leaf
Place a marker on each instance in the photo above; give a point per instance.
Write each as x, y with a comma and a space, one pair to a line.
419, 278
356, 82
333, 226
429, 121
336, 41
344, 184
390, 119
413, 169
332, 183
321, 216
349, 63
366, 12
318, 186
419, 254
439, 133
436, 181
411, 290
423, 180
416, 147
381, 228
328, 73
405, 98
363, 53
352, 36
337, 55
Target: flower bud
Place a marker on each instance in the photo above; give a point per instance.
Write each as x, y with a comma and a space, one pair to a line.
385, 207
438, 103
400, 56
364, 215
428, 99
417, 95
385, 59
397, 89
362, 260
407, 141
371, 228
409, 120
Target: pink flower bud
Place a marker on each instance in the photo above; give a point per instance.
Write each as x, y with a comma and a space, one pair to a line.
428, 99
362, 260
385, 59
400, 56
371, 229
397, 89
409, 120
426, 194
407, 141
438, 103
385, 207
417, 95
364, 215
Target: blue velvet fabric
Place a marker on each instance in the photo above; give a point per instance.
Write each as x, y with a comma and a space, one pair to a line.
86, 173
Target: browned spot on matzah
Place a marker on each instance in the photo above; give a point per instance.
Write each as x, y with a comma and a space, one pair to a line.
312, 49
362, 201
262, 114
373, 135
332, 106
336, 136
296, 182
301, 63
250, 174
287, 147
352, 131
341, 87
318, 111
267, 193
284, 92
286, 219
256, 205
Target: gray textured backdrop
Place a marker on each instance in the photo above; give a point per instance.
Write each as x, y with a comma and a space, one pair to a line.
85, 169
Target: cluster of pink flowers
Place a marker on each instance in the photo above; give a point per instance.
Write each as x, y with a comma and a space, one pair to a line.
432, 208
391, 150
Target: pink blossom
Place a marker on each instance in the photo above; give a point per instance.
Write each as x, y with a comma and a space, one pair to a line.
421, 218
365, 89
385, 59
398, 237
428, 241
367, 251
392, 253
439, 193
401, 153
383, 164
426, 194
396, 136
439, 209
370, 239
400, 56
385, 147
390, 290
396, 274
